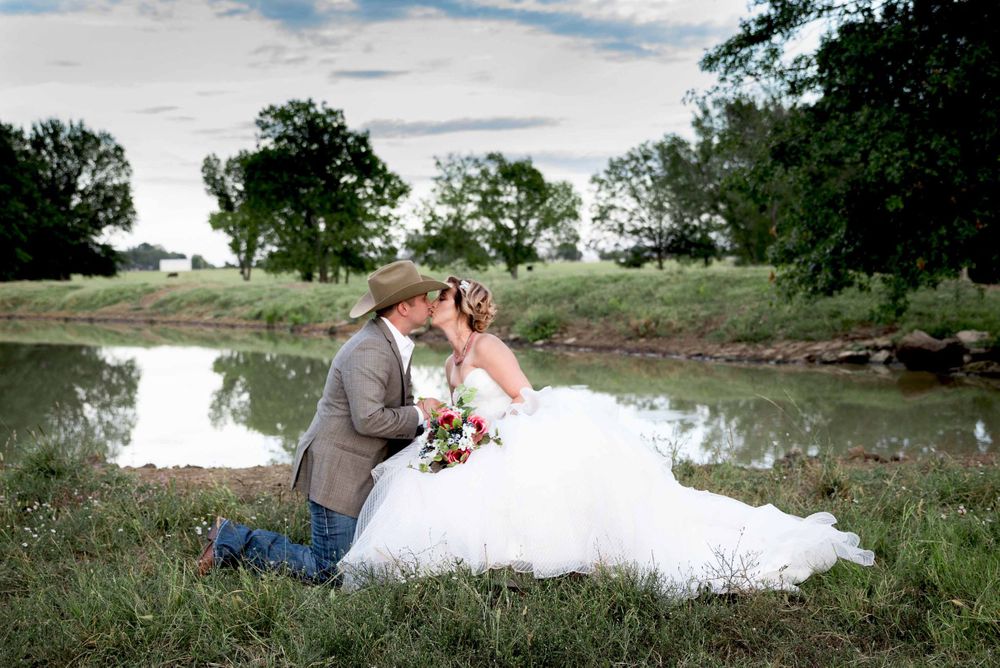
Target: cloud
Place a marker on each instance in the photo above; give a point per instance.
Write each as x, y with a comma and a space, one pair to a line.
296, 14
621, 36
276, 54
39, 6
64, 63
399, 128
367, 74
630, 38
584, 163
155, 110
210, 93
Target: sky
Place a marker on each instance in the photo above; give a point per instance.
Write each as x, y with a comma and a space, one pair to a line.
569, 83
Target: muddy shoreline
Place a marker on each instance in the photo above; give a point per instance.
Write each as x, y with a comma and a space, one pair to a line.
581, 339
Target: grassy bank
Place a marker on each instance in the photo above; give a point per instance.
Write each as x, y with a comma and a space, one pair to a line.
591, 303
98, 570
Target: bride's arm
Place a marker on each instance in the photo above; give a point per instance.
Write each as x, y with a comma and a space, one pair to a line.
449, 366
496, 359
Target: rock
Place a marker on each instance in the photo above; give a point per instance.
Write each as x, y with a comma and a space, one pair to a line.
570, 341
881, 357
881, 343
920, 351
853, 357
858, 452
971, 338
828, 358
987, 368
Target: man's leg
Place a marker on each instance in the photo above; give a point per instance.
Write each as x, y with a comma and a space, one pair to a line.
268, 551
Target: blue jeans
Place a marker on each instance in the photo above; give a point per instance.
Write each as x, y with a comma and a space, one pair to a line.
332, 534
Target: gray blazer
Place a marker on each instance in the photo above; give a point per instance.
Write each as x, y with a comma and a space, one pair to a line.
366, 408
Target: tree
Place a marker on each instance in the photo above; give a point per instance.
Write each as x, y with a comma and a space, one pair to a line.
893, 166
333, 200
449, 236
245, 221
199, 262
67, 187
490, 208
644, 200
743, 187
21, 206
519, 209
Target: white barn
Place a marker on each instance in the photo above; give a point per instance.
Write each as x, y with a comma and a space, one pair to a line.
175, 265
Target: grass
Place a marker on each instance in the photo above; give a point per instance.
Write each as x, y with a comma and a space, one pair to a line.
97, 569
600, 301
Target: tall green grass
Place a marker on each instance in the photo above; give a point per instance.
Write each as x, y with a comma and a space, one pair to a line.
721, 303
97, 569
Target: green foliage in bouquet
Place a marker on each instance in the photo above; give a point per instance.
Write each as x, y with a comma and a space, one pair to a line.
452, 433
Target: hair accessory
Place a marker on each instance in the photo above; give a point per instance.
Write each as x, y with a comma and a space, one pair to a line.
464, 286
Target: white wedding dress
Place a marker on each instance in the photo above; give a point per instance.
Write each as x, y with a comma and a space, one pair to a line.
573, 489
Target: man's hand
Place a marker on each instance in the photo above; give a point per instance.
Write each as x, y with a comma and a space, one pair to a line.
428, 405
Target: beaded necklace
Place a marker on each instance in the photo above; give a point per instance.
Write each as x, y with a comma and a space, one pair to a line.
465, 351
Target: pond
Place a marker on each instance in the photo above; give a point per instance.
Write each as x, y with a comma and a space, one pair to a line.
229, 398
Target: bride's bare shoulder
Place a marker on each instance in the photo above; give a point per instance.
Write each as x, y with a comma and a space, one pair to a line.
492, 348
491, 343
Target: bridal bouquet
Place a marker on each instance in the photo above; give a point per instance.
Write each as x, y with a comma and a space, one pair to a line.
451, 435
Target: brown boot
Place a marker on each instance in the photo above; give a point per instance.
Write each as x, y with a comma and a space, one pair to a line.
206, 562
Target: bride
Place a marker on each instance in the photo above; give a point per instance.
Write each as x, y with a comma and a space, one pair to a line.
571, 489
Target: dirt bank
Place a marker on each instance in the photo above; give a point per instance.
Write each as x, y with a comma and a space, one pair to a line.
247, 483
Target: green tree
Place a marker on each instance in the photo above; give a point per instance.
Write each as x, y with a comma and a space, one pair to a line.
646, 202
449, 236
743, 186
492, 209
64, 187
247, 223
21, 206
892, 157
333, 200
199, 262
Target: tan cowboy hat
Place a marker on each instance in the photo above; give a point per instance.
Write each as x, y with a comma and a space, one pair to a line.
392, 284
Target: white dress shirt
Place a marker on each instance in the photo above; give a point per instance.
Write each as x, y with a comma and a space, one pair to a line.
405, 345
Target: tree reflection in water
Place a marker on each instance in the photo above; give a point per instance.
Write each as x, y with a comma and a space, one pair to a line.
78, 395
272, 394
755, 414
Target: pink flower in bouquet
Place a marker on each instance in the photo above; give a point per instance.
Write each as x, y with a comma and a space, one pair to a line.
449, 418
457, 456
479, 426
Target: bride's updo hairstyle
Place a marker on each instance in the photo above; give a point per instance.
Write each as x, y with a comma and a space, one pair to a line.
475, 301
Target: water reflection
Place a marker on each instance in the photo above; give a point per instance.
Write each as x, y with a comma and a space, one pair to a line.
247, 400
74, 394
268, 393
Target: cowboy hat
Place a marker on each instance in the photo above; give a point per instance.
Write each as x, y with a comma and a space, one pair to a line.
392, 284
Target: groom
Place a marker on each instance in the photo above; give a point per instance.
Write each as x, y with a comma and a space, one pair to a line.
366, 410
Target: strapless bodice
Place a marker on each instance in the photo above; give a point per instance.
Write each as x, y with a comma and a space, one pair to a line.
490, 400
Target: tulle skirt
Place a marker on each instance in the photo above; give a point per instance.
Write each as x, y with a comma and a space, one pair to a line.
574, 488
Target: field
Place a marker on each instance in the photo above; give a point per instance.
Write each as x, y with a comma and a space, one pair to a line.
98, 570
586, 303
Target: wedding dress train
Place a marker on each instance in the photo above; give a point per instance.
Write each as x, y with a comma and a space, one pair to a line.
573, 488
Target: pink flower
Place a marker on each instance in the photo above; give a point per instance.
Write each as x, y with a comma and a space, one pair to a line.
479, 426
449, 418
456, 456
